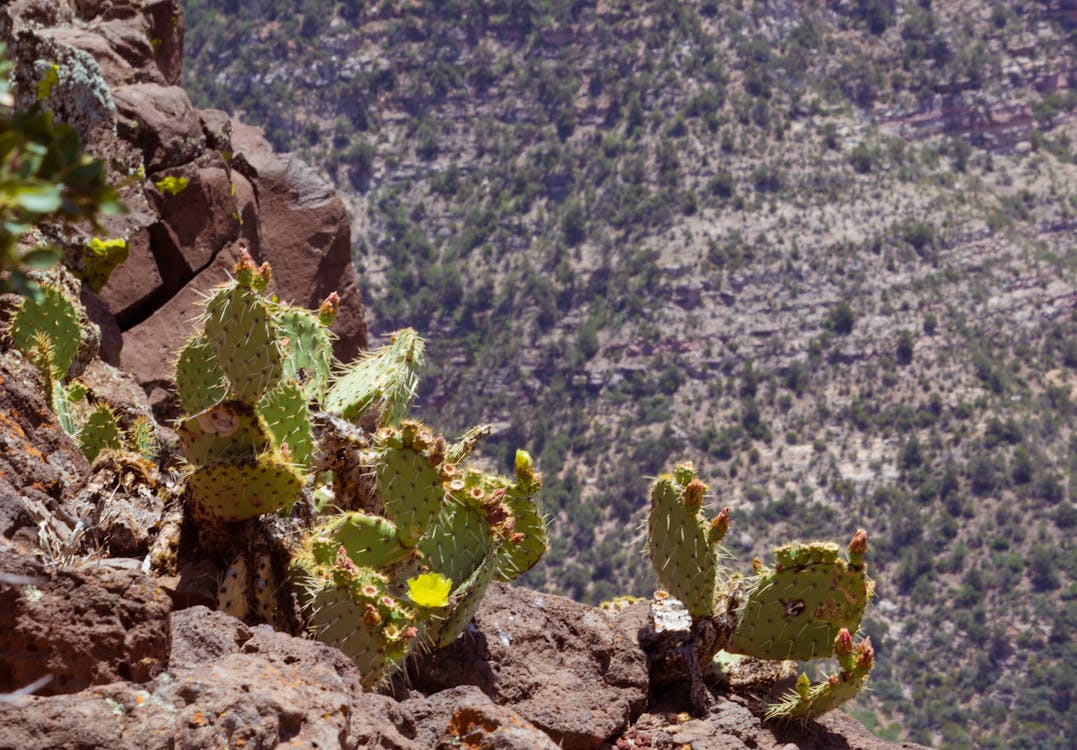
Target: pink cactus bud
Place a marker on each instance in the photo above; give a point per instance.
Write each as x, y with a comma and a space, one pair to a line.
843, 644
410, 633
719, 526
516, 537
865, 655
327, 311
858, 547
693, 495
345, 563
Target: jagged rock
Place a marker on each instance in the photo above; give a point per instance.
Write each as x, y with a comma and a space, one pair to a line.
161, 122
564, 666
731, 726
466, 717
41, 466
83, 625
196, 222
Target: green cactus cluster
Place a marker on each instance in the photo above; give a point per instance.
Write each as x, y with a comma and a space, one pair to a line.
411, 537
247, 435
802, 608
45, 328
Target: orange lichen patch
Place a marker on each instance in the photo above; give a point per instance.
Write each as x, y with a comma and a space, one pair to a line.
11, 426
198, 719
470, 726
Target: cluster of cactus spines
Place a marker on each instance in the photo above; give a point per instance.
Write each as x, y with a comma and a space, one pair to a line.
383, 382
803, 608
807, 700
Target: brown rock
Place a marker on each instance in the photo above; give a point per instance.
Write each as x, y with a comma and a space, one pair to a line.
35, 452
159, 23
161, 122
86, 625
198, 221
732, 726
561, 664
465, 717
305, 234
135, 282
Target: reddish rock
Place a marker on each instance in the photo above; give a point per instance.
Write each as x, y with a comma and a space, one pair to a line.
563, 666
84, 625
161, 122
135, 282
159, 23
35, 452
195, 222
465, 717
305, 234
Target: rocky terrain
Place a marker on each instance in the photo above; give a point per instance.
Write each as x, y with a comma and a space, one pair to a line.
823, 250
100, 647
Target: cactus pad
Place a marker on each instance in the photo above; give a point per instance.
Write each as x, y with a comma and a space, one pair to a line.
464, 602
100, 432
385, 380
199, 378
795, 610
683, 553
806, 701
237, 490
408, 480
239, 329
51, 313
287, 415
369, 541
309, 350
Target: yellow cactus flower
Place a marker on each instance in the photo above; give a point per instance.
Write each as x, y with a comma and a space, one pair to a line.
429, 590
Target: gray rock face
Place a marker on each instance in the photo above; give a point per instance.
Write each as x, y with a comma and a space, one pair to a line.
564, 666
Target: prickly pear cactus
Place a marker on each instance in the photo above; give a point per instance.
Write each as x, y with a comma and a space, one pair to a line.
246, 380
802, 608
378, 585
422, 536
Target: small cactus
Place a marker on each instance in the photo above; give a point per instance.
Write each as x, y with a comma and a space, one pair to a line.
804, 607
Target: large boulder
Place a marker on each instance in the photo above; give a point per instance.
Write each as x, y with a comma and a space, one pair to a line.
564, 666
75, 626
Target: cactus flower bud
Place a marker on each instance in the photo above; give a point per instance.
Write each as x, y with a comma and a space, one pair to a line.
719, 526
843, 644
693, 495
370, 615
858, 547
865, 655
327, 311
684, 473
